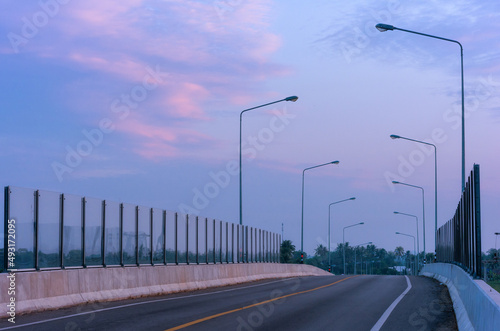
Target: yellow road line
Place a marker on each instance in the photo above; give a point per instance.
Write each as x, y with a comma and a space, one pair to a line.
251, 306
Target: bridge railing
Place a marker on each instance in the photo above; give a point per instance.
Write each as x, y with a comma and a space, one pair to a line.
459, 239
46, 230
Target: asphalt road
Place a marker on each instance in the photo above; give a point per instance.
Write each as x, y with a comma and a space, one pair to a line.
309, 303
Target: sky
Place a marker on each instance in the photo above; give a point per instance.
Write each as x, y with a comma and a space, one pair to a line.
138, 101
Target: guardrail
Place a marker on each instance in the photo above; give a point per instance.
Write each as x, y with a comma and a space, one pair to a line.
48, 230
459, 239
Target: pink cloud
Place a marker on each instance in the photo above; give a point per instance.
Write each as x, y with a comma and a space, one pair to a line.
159, 141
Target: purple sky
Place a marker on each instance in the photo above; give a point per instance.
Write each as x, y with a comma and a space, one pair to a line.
139, 101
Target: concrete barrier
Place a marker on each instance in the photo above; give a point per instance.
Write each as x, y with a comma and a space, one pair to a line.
42, 290
476, 304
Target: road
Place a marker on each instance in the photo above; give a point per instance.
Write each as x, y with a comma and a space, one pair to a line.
308, 303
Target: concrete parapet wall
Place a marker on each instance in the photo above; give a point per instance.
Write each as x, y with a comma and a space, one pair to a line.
41, 290
476, 304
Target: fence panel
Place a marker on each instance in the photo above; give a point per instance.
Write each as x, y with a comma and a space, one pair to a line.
129, 233
72, 231
459, 239
192, 240
112, 233
144, 235
56, 230
158, 236
49, 229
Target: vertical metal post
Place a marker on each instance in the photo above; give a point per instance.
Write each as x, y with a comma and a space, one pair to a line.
238, 244
164, 212
121, 235
220, 239
37, 225
232, 242
206, 240
187, 239
213, 225
84, 204
103, 233
246, 243
151, 235
251, 244
137, 235
61, 229
227, 242
197, 242
6, 217
175, 240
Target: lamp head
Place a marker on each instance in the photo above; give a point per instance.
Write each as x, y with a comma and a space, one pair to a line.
369, 243
362, 223
293, 98
384, 27
398, 233
335, 162
497, 233
353, 198
395, 182
395, 136
396, 212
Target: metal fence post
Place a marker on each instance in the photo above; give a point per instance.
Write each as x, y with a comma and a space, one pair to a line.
151, 235
187, 239
103, 234
137, 235
61, 229
121, 235
175, 240
197, 242
6, 217
164, 219
84, 204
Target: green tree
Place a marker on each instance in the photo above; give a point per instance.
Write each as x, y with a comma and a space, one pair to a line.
321, 251
287, 251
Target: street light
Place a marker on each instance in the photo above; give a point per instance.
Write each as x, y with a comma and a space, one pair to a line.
343, 238
355, 249
423, 209
333, 203
416, 221
293, 99
393, 136
496, 236
384, 27
302, 222
409, 235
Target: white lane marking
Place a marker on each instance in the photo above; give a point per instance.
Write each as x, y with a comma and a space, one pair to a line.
139, 303
389, 310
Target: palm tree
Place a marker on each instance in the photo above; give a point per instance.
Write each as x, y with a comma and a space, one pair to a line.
286, 251
399, 251
321, 251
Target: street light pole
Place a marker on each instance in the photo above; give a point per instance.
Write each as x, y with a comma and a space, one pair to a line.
409, 235
302, 217
423, 210
343, 238
393, 136
385, 27
333, 203
293, 99
416, 221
